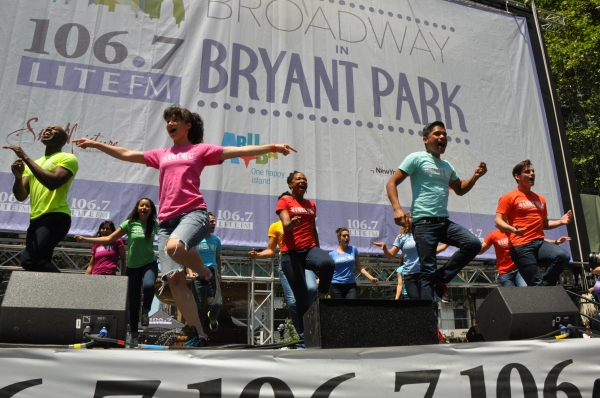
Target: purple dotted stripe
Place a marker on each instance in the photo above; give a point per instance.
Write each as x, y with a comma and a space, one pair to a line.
389, 14
324, 119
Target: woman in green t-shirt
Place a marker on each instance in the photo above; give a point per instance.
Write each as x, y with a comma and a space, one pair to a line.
142, 268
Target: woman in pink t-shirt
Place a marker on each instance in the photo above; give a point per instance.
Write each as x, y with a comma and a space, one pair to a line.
182, 210
105, 257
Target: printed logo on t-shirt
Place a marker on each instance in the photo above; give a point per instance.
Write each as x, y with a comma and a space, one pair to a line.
206, 247
502, 242
301, 210
105, 247
343, 259
137, 230
173, 157
530, 204
442, 174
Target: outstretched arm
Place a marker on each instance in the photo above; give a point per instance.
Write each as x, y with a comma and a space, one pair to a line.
462, 187
50, 179
389, 253
484, 247
114, 151
268, 252
392, 191
103, 240
230, 152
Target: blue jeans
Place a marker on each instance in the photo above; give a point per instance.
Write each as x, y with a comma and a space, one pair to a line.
526, 257
288, 294
190, 228
428, 233
412, 286
294, 264
512, 278
138, 280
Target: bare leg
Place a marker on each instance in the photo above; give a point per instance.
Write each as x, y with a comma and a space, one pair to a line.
184, 300
399, 287
189, 259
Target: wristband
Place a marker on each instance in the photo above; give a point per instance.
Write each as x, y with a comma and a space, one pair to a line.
556, 242
273, 148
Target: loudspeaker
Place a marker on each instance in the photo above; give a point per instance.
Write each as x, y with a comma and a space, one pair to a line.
55, 308
515, 313
338, 323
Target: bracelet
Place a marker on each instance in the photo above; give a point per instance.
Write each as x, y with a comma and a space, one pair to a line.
556, 241
273, 148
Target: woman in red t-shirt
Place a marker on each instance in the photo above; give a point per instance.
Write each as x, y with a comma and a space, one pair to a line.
300, 249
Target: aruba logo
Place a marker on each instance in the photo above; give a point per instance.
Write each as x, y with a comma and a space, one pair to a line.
230, 139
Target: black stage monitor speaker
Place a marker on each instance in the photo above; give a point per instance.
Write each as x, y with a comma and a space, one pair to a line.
516, 313
49, 308
338, 323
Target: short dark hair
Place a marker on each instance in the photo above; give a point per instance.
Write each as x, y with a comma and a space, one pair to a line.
518, 169
428, 127
196, 133
210, 214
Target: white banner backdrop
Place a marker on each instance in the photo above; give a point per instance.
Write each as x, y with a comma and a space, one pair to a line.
566, 368
348, 83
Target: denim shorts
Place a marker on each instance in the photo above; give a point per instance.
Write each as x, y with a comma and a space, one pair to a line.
190, 228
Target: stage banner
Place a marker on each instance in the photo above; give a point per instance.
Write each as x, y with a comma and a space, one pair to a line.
476, 370
348, 83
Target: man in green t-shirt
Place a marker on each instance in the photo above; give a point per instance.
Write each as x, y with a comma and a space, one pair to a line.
47, 180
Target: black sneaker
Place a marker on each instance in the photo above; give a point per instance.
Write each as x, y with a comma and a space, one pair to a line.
441, 290
145, 319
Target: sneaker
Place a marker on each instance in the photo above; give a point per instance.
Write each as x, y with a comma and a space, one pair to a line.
197, 341
441, 290
214, 324
145, 319
135, 341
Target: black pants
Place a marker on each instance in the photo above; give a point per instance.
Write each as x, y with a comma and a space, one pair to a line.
294, 263
138, 280
43, 235
343, 291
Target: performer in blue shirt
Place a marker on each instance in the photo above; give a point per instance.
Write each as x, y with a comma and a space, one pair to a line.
345, 257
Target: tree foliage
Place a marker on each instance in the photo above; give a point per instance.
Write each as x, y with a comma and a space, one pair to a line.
574, 53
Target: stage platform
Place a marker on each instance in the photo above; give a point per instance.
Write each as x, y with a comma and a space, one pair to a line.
534, 368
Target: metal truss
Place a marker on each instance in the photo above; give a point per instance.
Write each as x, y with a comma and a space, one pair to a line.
261, 277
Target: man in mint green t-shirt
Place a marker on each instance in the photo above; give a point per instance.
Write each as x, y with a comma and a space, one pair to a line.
430, 177
47, 180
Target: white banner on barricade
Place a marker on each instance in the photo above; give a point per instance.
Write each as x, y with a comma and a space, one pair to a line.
566, 368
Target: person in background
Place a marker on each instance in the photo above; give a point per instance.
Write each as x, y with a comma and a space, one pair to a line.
345, 257
142, 267
105, 257
410, 269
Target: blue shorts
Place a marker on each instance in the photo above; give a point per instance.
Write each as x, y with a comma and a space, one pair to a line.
190, 228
